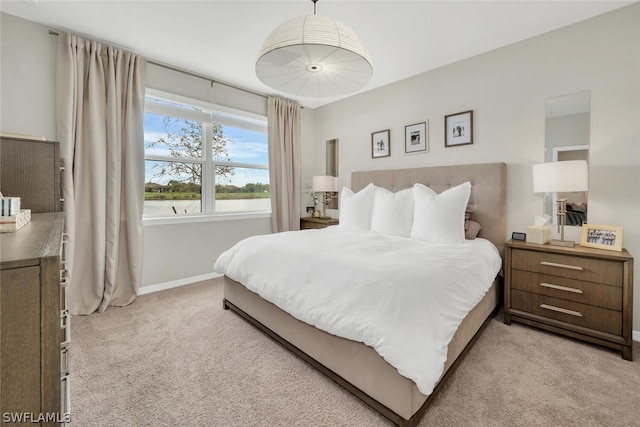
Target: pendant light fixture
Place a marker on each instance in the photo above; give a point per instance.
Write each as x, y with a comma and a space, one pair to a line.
314, 56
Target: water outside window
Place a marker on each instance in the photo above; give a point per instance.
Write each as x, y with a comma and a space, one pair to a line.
190, 158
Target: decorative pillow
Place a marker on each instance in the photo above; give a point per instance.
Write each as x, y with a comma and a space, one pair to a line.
471, 227
440, 218
392, 212
355, 209
421, 191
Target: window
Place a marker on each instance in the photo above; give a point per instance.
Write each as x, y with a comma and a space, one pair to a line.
203, 159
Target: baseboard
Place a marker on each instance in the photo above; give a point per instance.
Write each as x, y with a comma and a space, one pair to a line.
176, 283
636, 336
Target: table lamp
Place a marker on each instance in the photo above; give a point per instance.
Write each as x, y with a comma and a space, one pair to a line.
326, 185
561, 177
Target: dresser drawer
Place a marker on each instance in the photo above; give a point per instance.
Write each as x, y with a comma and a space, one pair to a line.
573, 267
604, 296
596, 318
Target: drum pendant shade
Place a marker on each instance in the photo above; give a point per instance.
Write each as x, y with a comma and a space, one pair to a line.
314, 56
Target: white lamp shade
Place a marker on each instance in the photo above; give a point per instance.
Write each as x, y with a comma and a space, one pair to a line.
323, 183
556, 177
314, 56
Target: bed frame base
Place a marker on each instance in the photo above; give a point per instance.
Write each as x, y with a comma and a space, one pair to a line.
382, 409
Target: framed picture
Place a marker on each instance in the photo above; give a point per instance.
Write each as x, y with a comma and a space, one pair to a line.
380, 144
458, 129
601, 237
416, 138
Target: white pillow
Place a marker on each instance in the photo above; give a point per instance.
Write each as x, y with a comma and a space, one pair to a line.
421, 191
392, 212
440, 218
355, 209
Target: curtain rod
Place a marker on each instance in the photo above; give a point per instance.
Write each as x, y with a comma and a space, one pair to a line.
200, 76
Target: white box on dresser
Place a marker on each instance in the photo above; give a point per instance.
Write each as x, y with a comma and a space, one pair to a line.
15, 222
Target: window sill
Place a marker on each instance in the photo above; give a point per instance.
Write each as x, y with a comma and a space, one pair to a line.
186, 219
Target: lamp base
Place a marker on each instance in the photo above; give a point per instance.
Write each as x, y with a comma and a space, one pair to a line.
564, 243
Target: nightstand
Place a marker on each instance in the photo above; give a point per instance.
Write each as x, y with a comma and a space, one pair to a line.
579, 292
308, 222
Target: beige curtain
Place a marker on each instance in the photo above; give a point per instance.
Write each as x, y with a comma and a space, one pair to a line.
284, 163
100, 115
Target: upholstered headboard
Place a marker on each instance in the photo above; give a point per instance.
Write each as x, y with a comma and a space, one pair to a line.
488, 190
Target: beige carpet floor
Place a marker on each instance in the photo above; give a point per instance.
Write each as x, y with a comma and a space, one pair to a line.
176, 358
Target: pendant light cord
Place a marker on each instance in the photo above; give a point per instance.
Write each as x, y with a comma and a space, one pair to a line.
314, 6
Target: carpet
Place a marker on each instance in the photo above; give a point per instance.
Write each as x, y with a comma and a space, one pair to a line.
176, 358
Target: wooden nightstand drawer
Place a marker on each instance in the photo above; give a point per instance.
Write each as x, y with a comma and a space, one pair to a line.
574, 267
597, 318
312, 223
604, 296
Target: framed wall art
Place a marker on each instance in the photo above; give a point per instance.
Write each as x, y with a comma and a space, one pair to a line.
601, 237
416, 138
458, 129
381, 144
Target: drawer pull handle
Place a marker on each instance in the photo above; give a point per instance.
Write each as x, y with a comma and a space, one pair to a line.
555, 264
561, 288
65, 324
64, 362
561, 310
65, 402
64, 278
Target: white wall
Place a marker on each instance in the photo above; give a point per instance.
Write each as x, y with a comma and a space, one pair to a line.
506, 89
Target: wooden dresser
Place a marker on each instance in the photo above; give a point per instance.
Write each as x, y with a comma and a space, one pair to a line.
34, 324
579, 292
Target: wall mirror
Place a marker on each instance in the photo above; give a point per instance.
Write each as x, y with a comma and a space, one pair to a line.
332, 166
567, 126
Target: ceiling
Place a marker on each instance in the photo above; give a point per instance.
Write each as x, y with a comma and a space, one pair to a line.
220, 39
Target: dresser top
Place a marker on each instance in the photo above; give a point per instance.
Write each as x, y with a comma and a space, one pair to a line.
40, 238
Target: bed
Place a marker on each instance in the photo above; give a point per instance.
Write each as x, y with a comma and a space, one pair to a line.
355, 365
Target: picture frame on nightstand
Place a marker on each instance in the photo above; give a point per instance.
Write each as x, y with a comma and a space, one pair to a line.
606, 237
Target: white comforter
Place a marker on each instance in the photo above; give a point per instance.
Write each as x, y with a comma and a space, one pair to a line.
403, 297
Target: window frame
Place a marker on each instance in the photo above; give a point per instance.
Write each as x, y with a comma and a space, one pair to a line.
213, 113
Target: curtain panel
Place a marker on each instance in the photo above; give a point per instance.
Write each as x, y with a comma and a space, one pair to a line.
283, 119
100, 118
